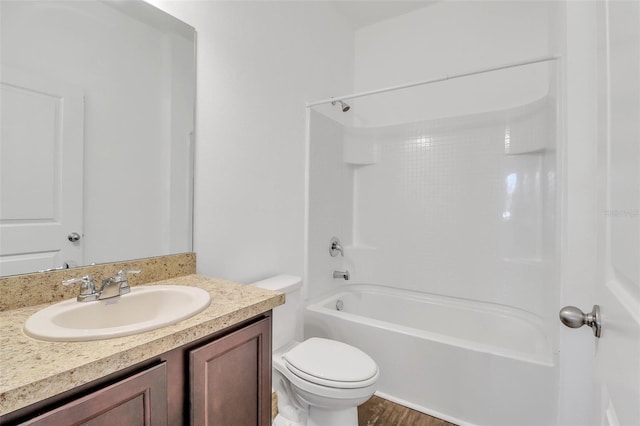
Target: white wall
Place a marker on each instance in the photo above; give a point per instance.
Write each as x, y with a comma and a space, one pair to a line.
448, 38
258, 63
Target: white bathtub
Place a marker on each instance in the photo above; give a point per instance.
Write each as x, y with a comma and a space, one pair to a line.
463, 361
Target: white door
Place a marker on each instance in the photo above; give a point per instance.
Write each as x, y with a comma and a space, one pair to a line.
41, 169
618, 286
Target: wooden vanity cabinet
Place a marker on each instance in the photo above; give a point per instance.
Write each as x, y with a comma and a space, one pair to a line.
222, 379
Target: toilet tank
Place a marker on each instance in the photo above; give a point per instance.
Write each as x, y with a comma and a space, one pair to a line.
287, 318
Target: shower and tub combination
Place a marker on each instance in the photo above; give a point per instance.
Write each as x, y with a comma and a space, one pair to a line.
444, 206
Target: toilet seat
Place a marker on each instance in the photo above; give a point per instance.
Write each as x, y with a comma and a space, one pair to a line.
330, 363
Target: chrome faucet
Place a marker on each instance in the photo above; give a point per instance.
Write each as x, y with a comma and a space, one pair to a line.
335, 247
344, 275
116, 285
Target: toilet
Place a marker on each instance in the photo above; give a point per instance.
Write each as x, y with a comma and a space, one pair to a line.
319, 382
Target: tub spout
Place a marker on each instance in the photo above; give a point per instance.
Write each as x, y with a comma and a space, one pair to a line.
339, 274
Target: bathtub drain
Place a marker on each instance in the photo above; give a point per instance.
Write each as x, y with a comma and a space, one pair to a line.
339, 305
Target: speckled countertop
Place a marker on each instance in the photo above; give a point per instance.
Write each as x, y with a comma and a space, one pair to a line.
33, 370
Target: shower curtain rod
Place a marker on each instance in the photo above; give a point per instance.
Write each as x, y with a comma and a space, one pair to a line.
435, 80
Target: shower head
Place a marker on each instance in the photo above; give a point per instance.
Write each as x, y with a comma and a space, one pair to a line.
345, 107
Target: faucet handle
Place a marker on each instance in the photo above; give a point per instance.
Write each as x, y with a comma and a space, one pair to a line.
123, 280
87, 288
121, 276
123, 272
87, 283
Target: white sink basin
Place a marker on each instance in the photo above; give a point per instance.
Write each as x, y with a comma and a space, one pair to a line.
144, 308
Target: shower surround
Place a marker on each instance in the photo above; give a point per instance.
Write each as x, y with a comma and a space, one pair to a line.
460, 207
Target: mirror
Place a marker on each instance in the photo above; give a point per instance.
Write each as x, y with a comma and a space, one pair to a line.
97, 133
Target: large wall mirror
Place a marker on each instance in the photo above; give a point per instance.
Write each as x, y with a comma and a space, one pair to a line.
97, 109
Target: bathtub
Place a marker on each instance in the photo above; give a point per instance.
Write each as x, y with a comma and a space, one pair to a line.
471, 363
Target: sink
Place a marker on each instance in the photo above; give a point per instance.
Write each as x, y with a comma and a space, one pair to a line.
144, 308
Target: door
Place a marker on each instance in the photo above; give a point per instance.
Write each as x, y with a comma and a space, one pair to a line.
618, 283
230, 378
41, 154
140, 400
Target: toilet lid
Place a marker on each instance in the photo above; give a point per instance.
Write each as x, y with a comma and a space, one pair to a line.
331, 363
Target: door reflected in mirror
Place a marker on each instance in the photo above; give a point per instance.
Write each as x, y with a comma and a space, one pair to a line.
97, 133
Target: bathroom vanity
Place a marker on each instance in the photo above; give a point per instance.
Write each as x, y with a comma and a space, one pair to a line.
213, 368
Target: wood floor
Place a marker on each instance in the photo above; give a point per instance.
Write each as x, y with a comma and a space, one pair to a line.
380, 412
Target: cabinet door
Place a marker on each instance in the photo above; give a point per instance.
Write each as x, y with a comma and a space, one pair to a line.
137, 400
230, 378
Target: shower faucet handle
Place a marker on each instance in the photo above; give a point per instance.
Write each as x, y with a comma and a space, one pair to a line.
336, 247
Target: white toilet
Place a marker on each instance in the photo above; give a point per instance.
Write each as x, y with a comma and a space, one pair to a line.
320, 382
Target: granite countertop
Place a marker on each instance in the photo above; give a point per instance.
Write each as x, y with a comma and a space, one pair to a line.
32, 370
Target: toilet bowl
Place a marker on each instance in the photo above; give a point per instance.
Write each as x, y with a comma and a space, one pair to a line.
322, 381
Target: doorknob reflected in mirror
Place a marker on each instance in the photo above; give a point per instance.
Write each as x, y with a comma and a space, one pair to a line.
574, 318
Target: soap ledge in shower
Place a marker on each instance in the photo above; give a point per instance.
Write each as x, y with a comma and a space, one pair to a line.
359, 152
